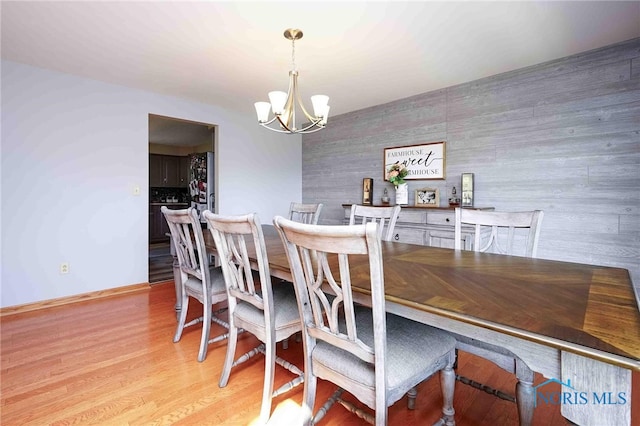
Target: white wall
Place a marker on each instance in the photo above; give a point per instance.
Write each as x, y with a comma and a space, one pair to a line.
72, 151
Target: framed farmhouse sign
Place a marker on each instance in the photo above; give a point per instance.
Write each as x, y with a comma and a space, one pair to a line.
426, 161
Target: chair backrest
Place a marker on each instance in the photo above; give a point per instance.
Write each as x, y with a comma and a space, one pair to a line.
382, 215
188, 242
237, 239
319, 255
513, 233
305, 213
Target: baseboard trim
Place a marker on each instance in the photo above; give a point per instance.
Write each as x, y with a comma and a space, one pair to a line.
170, 280
44, 304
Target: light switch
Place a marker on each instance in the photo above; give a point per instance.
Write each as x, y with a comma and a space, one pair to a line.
136, 190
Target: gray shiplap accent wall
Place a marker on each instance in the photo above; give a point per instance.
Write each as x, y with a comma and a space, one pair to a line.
562, 136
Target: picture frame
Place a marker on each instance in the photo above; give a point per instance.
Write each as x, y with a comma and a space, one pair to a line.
427, 197
466, 184
423, 162
367, 191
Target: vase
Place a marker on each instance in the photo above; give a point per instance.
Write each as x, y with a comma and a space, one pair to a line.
402, 194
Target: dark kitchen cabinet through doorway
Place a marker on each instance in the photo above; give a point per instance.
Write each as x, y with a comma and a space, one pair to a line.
168, 171
158, 227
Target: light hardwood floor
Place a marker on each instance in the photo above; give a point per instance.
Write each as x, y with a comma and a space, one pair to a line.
112, 362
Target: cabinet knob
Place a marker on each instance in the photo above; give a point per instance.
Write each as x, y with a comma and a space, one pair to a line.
396, 237
447, 219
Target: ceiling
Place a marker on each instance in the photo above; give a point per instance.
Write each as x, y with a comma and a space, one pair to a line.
358, 53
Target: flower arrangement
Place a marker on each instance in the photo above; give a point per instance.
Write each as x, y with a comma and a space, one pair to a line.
396, 174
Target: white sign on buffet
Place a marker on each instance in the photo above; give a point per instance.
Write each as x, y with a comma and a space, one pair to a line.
425, 161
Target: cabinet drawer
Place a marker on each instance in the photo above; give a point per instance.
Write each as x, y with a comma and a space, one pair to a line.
441, 218
442, 238
409, 235
412, 216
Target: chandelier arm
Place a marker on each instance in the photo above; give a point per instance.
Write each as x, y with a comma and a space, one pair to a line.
266, 123
274, 129
304, 130
312, 131
299, 100
285, 129
314, 123
292, 132
283, 124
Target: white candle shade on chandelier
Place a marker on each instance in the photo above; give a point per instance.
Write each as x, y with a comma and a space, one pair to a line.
284, 105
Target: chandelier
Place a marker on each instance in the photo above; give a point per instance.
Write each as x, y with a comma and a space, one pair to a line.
284, 105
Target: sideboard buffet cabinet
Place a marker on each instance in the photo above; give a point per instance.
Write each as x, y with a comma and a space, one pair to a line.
427, 226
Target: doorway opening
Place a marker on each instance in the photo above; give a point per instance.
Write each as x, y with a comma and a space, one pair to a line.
176, 147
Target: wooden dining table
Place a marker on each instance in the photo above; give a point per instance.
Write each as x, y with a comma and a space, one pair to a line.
575, 324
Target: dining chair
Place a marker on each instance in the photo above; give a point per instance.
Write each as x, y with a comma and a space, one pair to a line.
305, 212
384, 216
376, 356
268, 312
511, 233
198, 279
506, 233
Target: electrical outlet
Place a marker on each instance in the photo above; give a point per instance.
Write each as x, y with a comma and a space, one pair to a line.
64, 268
136, 190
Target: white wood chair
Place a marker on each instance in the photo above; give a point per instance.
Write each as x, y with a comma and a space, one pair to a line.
269, 313
384, 216
198, 279
376, 356
305, 212
512, 233
508, 233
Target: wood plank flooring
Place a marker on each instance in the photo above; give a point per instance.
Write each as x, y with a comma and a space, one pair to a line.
112, 362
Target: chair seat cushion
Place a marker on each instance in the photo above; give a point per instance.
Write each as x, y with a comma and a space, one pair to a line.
217, 285
285, 307
413, 353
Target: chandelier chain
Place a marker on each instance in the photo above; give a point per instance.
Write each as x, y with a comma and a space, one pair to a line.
293, 55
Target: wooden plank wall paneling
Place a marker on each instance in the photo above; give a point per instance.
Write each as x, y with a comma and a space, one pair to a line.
562, 136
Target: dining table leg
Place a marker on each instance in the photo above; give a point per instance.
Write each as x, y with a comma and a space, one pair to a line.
601, 392
525, 393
